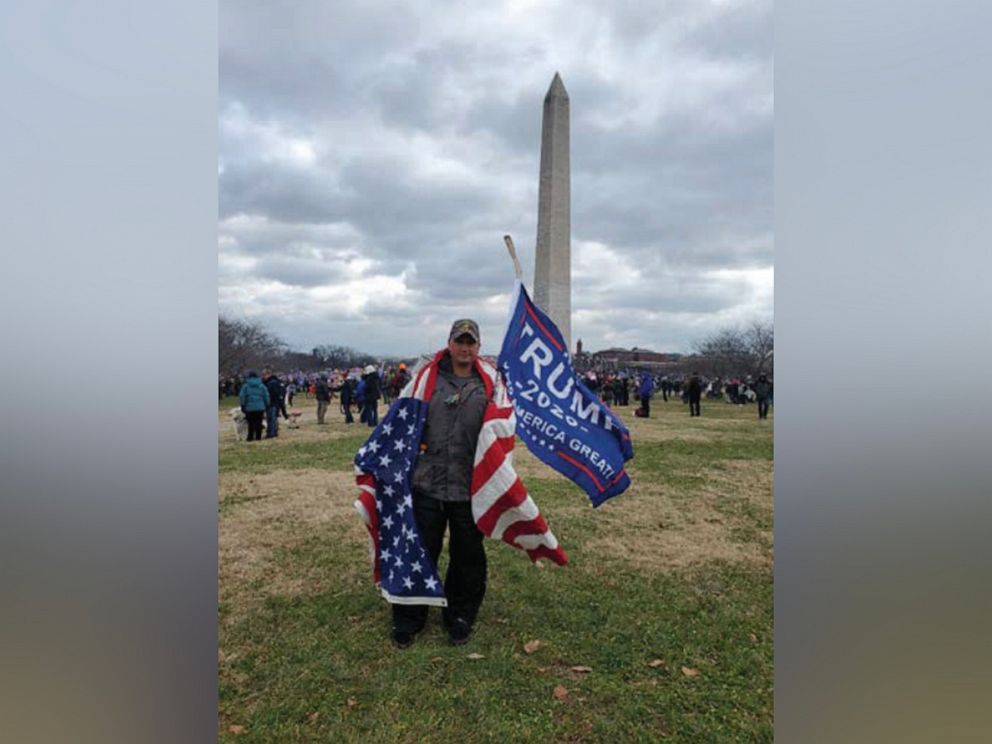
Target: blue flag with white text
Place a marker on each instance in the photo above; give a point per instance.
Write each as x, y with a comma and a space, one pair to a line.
562, 422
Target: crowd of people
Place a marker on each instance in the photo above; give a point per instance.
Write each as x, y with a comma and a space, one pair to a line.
615, 388
264, 398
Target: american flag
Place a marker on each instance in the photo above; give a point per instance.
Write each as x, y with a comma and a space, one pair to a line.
501, 506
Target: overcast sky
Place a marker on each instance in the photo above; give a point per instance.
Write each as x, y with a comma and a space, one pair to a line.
373, 154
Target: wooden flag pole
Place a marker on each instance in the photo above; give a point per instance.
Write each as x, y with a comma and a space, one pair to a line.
513, 254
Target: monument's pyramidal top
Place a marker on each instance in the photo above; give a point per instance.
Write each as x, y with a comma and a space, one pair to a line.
557, 89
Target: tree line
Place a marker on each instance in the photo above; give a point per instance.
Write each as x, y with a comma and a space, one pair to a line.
735, 351
247, 344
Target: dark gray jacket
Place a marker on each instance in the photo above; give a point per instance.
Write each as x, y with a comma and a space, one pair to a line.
451, 433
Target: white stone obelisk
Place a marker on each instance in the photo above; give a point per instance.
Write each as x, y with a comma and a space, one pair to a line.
553, 255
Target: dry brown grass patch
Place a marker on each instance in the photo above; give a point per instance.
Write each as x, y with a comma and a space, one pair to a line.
279, 510
657, 529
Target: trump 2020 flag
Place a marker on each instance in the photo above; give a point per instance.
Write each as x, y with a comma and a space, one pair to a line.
562, 422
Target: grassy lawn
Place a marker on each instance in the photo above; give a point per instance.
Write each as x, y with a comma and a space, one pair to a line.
660, 627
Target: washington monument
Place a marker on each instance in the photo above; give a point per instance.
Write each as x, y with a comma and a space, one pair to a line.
553, 255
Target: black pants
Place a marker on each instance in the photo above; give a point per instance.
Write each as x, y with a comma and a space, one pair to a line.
254, 424
465, 581
646, 405
762, 408
694, 407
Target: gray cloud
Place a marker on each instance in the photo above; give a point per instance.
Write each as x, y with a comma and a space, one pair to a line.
372, 156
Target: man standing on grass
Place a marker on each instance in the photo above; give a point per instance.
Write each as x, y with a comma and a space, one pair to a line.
762, 392
694, 391
347, 396
276, 393
442, 481
254, 399
645, 391
323, 398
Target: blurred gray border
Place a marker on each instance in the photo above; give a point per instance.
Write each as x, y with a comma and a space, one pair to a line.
883, 187
108, 451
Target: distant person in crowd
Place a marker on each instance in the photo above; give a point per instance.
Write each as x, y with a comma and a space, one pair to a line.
371, 396
363, 416
323, 393
254, 399
275, 405
608, 391
282, 400
385, 376
399, 381
694, 392
762, 393
347, 397
645, 390
290, 391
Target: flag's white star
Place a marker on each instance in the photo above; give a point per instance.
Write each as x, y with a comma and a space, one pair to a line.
378, 505
373, 446
408, 500
399, 445
362, 450
407, 583
387, 522
400, 509
430, 581
384, 461
416, 567
388, 428
391, 575
398, 562
410, 429
410, 535
388, 490
398, 478
402, 413
396, 541
386, 555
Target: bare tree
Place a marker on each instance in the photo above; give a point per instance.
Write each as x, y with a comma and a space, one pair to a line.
732, 351
340, 357
760, 338
242, 344
723, 353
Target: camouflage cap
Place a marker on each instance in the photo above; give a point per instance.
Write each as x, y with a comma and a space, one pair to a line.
464, 326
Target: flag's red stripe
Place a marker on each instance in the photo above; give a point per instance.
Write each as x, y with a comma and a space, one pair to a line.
583, 468
495, 412
540, 325
616, 480
543, 551
491, 461
535, 526
486, 379
515, 495
373, 526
